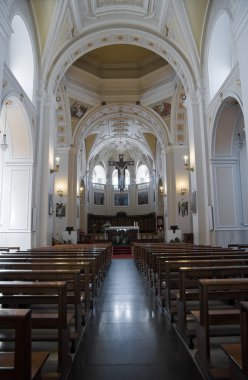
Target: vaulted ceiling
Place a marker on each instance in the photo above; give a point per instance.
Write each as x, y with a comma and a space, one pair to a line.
119, 71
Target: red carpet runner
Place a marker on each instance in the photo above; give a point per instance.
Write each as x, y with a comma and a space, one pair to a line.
122, 252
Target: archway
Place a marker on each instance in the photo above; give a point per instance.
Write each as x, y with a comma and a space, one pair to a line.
16, 164
229, 174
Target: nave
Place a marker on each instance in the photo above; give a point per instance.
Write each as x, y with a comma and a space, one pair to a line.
127, 337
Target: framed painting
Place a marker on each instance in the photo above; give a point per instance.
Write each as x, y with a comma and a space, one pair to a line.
193, 205
99, 198
50, 204
183, 208
143, 198
60, 210
120, 199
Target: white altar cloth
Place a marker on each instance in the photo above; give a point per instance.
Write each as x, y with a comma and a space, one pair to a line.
121, 228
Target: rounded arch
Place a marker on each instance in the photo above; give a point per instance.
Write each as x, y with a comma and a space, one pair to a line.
16, 168
145, 116
22, 65
99, 174
55, 70
229, 163
142, 174
220, 53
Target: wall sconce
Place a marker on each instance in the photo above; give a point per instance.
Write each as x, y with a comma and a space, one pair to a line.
4, 144
60, 192
56, 169
183, 190
161, 188
187, 164
81, 191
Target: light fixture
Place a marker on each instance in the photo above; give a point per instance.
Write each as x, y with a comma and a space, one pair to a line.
60, 192
4, 144
239, 144
81, 191
183, 190
187, 164
161, 189
56, 169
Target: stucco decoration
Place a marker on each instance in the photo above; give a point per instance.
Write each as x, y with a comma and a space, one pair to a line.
159, 46
149, 121
173, 31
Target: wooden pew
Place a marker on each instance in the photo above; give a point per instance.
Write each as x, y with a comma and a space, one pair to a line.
22, 363
94, 280
170, 286
156, 260
7, 249
220, 317
238, 352
189, 291
48, 295
72, 277
83, 266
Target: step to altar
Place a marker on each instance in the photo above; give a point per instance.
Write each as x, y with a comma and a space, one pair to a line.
122, 250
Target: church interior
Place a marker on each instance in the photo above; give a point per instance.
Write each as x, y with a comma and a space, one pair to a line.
123, 132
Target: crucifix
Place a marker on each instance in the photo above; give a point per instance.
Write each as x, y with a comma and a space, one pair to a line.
121, 166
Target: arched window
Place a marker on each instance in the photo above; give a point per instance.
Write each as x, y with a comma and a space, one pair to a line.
142, 175
220, 54
115, 178
21, 61
99, 175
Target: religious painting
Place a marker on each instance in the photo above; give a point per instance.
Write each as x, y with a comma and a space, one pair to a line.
160, 223
193, 204
98, 198
60, 210
143, 198
183, 208
78, 110
163, 109
50, 204
120, 199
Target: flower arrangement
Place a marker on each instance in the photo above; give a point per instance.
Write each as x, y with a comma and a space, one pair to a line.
120, 240
106, 225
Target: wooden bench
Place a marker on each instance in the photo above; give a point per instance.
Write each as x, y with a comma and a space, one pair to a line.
47, 301
238, 352
168, 288
221, 316
83, 266
92, 260
22, 363
188, 295
71, 277
7, 249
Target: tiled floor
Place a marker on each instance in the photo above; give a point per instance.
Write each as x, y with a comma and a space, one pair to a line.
127, 338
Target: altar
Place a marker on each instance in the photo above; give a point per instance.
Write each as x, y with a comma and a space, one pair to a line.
131, 231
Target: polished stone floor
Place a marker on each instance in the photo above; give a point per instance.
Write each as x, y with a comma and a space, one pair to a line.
127, 338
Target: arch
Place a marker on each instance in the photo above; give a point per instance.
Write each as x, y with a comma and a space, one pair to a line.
229, 160
16, 167
22, 65
99, 174
220, 53
55, 70
142, 174
97, 116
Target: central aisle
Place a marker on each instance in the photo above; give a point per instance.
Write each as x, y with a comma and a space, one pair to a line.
127, 338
